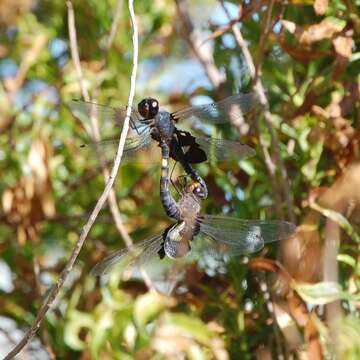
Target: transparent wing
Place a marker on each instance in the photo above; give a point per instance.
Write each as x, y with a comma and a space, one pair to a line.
244, 236
133, 257
231, 108
138, 148
115, 116
224, 150
206, 246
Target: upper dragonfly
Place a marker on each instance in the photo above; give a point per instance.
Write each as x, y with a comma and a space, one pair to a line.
149, 123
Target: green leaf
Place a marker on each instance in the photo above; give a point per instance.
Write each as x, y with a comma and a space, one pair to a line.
77, 321
184, 325
321, 293
148, 306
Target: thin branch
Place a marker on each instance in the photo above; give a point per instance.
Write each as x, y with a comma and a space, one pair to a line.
203, 53
114, 25
221, 30
259, 90
74, 50
94, 131
85, 231
263, 37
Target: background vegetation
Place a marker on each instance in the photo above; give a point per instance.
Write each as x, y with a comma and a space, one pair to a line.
305, 55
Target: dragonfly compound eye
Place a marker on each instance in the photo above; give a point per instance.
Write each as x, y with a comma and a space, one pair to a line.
148, 108
199, 192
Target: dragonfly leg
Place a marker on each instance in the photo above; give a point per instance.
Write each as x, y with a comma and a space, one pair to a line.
141, 131
144, 128
133, 126
180, 156
171, 180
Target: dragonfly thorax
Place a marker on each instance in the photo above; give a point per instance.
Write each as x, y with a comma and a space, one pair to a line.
162, 127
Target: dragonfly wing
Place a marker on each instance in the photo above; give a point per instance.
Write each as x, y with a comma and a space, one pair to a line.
114, 116
205, 245
224, 150
246, 236
138, 148
134, 257
226, 110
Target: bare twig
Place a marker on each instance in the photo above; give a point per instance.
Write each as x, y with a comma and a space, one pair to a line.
95, 133
85, 231
263, 37
74, 50
221, 30
114, 25
203, 52
259, 89
270, 308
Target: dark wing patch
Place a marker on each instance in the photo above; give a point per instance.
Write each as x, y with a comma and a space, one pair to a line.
193, 154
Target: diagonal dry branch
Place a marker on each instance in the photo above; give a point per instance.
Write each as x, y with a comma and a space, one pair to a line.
260, 91
202, 52
205, 57
48, 302
94, 131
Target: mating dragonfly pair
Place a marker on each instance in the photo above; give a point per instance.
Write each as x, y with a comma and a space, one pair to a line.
192, 234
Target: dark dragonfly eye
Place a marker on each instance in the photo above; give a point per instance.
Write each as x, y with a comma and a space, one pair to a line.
148, 108
198, 190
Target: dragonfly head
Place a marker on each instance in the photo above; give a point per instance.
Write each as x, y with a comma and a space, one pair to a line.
148, 108
197, 189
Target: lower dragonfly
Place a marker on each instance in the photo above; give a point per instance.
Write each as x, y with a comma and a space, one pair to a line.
195, 235
149, 124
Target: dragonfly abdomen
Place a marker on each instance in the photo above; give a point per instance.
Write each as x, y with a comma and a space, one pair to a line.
169, 204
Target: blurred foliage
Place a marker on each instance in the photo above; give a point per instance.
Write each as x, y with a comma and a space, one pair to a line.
309, 63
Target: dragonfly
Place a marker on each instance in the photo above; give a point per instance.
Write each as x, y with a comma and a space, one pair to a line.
148, 124
195, 235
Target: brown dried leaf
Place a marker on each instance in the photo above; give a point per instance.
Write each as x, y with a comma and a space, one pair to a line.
7, 200
343, 46
3, 50
302, 54
39, 162
10, 10
287, 325
343, 191
320, 6
326, 29
271, 266
31, 200
301, 254
298, 309
289, 26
